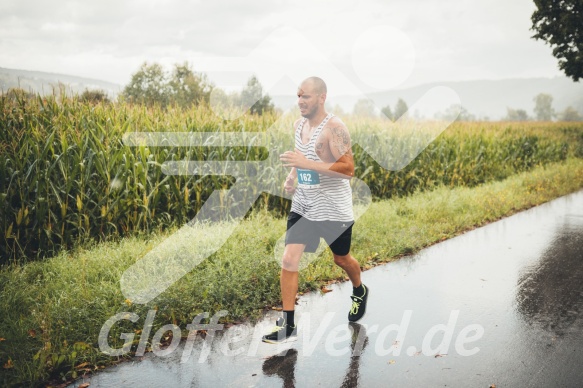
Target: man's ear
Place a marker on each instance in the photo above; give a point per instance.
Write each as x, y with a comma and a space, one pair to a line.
323, 98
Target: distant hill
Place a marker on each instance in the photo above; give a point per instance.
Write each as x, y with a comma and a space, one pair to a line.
484, 98
491, 98
43, 83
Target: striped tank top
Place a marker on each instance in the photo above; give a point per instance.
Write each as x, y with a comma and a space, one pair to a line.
319, 197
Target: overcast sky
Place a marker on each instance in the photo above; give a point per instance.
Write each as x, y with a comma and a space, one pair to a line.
374, 44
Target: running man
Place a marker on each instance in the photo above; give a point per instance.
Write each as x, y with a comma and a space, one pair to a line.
323, 165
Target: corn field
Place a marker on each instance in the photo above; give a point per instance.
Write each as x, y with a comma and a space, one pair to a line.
67, 178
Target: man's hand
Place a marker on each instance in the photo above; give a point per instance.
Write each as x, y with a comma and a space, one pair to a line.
294, 159
289, 184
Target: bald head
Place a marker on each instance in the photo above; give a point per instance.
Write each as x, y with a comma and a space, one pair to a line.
317, 84
312, 97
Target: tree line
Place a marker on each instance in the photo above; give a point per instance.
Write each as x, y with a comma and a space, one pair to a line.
543, 111
151, 85
183, 87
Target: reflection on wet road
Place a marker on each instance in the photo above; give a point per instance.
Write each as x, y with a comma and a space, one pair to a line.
550, 292
501, 305
282, 365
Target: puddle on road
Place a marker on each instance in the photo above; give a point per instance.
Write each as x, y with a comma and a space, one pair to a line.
550, 293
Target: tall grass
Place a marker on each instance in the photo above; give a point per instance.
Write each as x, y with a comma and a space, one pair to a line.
66, 176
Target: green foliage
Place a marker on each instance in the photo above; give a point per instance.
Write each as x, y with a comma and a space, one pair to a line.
187, 88
249, 100
516, 115
148, 86
94, 96
387, 112
570, 114
400, 109
252, 95
457, 113
558, 23
336, 109
543, 108
151, 85
364, 108
66, 177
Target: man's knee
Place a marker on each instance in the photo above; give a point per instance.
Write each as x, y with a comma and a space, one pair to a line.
341, 260
290, 261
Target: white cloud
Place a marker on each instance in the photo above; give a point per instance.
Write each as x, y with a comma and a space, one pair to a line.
452, 39
58, 27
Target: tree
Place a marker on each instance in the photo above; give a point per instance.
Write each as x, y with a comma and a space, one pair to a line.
516, 115
570, 114
336, 109
148, 86
94, 96
187, 88
559, 23
253, 96
226, 105
543, 108
387, 112
457, 113
364, 108
400, 109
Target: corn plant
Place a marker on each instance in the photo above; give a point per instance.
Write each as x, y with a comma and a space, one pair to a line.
67, 178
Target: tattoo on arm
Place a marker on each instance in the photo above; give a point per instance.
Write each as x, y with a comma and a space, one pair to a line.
340, 140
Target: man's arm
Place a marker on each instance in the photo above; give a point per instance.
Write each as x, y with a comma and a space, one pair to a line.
341, 149
290, 181
339, 144
293, 174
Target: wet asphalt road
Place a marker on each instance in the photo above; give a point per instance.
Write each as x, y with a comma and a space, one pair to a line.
502, 305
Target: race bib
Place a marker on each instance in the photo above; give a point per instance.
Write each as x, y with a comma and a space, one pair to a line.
308, 179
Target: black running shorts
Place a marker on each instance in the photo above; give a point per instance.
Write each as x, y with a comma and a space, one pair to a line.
337, 234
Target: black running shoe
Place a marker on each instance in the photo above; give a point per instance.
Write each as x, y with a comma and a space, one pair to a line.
358, 307
281, 333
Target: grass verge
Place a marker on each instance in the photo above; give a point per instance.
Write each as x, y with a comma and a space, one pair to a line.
53, 310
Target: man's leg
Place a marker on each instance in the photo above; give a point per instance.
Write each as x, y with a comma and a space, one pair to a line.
341, 251
338, 236
286, 330
289, 275
350, 266
359, 291
299, 237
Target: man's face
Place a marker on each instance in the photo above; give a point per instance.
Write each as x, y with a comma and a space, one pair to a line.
308, 101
